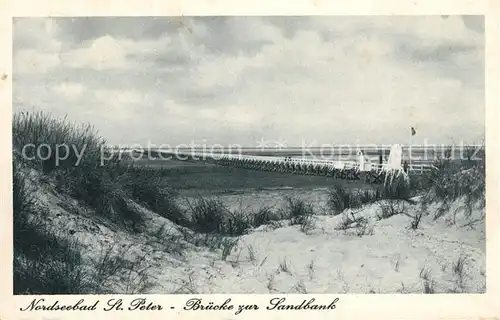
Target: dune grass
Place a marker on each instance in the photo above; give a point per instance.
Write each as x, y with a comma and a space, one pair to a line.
300, 213
448, 181
463, 180
31, 131
43, 262
48, 262
102, 181
213, 216
148, 187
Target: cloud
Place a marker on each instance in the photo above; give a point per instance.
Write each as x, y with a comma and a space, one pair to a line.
32, 61
70, 91
101, 54
36, 45
118, 97
39, 33
238, 79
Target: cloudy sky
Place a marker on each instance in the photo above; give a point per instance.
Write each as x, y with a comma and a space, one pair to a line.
333, 80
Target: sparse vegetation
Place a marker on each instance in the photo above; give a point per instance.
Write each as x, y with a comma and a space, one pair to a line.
428, 282
251, 254
415, 222
298, 211
171, 240
310, 268
363, 228
187, 286
265, 215
350, 220
299, 287
396, 266
307, 224
460, 274
109, 263
147, 186
341, 199
360, 225
270, 283
390, 208
402, 289
284, 266
209, 216
452, 180
227, 247
212, 216
398, 189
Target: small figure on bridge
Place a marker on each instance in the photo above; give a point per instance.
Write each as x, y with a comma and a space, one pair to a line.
361, 160
405, 166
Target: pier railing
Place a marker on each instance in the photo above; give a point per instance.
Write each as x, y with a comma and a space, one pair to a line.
324, 163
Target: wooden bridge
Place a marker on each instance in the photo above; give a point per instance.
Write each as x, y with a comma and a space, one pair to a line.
360, 169
348, 170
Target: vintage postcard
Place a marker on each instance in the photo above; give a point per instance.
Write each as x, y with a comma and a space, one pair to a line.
188, 162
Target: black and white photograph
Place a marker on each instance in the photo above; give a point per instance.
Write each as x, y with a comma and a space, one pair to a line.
305, 154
